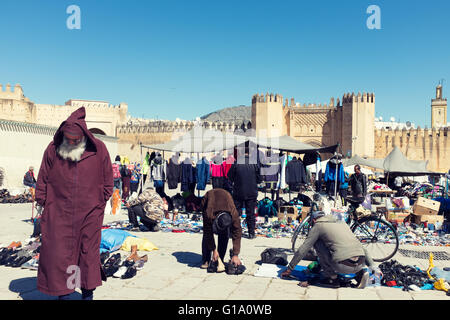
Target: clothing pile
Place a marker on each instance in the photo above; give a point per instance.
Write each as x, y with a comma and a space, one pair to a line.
183, 224
374, 186
6, 197
16, 255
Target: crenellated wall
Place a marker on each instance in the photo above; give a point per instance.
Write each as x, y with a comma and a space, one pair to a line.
100, 115
417, 144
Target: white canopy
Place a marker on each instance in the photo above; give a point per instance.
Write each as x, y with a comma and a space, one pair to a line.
201, 140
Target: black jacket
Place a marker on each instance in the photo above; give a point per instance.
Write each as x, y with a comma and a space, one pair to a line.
358, 183
188, 176
173, 174
245, 178
295, 173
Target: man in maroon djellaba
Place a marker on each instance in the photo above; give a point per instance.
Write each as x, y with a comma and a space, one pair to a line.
74, 183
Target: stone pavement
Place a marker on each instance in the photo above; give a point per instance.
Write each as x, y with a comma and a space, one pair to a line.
173, 273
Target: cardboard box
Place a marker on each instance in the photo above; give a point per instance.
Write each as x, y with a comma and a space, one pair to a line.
425, 206
291, 213
305, 212
397, 216
432, 218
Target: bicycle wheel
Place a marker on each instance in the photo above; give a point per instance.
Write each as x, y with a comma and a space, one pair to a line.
300, 234
378, 237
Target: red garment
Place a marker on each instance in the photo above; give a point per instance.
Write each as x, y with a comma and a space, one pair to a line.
227, 164
74, 196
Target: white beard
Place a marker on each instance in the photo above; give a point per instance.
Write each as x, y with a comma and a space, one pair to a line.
72, 153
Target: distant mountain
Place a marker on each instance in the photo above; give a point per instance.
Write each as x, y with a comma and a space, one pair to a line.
240, 114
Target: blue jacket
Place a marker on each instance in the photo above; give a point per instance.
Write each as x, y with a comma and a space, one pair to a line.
344, 185
330, 173
203, 173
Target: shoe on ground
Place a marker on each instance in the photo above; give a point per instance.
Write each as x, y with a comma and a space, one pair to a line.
329, 283
140, 264
119, 273
251, 236
361, 278
130, 273
204, 265
156, 228
220, 265
135, 229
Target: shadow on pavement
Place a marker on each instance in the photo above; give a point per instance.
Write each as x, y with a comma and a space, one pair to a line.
27, 290
190, 258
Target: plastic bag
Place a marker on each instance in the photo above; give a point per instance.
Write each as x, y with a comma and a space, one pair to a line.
274, 256
142, 244
112, 239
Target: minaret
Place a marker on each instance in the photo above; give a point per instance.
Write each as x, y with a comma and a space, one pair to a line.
438, 109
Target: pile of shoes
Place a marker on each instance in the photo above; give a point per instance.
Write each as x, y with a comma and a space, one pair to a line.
6, 197
117, 267
398, 275
15, 255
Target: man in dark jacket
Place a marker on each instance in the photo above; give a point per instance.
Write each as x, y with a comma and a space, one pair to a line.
358, 183
214, 203
245, 177
29, 180
74, 183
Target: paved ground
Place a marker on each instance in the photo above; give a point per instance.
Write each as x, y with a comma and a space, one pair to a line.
173, 272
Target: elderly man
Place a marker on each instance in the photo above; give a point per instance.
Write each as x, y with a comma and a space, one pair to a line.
337, 249
74, 183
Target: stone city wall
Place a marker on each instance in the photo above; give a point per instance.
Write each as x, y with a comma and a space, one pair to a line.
417, 144
23, 144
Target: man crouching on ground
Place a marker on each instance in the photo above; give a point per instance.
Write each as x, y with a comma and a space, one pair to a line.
338, 251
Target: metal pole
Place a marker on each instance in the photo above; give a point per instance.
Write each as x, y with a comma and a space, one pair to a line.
140, 187
335, 182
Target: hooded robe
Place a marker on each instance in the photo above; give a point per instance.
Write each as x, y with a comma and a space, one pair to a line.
74, 195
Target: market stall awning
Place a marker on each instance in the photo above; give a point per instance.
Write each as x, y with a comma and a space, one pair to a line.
201, 140
289, 144
372, 163
395, 163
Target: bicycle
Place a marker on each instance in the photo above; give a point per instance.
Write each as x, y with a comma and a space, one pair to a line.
377, 235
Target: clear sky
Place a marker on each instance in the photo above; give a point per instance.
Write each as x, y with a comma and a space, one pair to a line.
184, 59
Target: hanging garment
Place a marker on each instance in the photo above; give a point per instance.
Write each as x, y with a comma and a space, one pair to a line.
188, 177
217, 170
227, 184
270, 167
158, 168
227, 164
282, 177
203, 173
173, 173
334, 176
295, 174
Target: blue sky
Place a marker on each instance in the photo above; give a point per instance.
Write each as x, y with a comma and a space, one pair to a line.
170, 59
